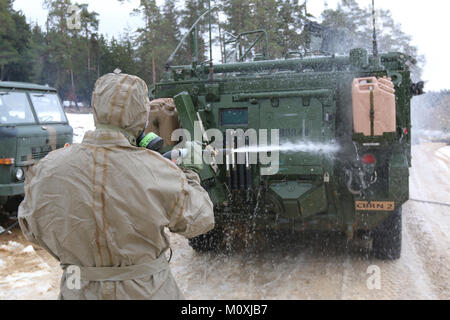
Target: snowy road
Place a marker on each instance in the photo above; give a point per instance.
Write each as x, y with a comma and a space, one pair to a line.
300, 268
324, 268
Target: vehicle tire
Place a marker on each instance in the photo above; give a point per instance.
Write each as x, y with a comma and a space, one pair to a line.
11, 206
387, 238
207, 242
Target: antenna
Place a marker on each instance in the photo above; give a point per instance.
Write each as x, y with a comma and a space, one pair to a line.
211, 66
169, 61
375, 43
210, 31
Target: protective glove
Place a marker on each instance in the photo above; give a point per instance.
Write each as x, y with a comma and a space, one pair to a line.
194, 157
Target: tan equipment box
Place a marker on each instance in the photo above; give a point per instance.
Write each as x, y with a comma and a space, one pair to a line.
163, 119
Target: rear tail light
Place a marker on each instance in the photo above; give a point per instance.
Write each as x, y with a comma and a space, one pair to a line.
368, 159
7, 161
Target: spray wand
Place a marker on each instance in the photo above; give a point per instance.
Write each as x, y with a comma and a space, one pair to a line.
155, 143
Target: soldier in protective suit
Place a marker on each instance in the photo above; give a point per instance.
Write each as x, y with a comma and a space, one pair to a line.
100, 207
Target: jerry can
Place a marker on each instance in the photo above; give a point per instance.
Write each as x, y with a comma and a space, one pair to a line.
374, 110
163, 119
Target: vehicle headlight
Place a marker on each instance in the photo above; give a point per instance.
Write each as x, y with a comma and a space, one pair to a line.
20, 174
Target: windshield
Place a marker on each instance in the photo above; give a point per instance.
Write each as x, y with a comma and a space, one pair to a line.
48, 108
15, 108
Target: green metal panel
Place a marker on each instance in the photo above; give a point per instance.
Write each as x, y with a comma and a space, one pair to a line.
399, 177
289, 193
299, 120
188, 118
300, 199
186, 111
11, 189
314, 202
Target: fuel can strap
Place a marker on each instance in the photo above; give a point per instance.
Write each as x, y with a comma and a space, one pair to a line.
372, 113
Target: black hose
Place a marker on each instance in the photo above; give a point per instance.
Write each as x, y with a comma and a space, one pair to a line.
431, 202
349, 173
234, 173
241, 171
9, 228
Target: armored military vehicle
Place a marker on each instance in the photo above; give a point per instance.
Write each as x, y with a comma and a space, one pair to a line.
344, 138
32, 124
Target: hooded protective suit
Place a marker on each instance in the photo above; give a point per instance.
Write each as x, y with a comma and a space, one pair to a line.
101, 207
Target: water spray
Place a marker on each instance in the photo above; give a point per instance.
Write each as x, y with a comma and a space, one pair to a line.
291, 147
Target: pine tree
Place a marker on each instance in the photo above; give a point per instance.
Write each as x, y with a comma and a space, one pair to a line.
291, 19
238, 16
149, 40
14, 43
357, 22
171, 27
71, 60
281, 19
89, 25
193, 9
59, 39
265, 16
37, 55
118, 54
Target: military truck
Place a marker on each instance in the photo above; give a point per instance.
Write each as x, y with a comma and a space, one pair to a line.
32, 124
354, 108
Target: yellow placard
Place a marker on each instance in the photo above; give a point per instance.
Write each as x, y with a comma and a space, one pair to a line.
374, 205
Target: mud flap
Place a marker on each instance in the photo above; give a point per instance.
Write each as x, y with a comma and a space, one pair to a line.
399, 178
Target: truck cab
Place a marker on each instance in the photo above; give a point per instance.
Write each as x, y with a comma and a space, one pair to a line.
32, 124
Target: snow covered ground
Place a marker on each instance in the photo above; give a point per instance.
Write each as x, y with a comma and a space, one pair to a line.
317, 268
26, 273
80, 123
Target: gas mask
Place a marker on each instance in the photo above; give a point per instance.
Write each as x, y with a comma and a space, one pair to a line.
150, 141
155, 143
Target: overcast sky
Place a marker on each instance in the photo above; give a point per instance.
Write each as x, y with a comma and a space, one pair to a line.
426, 21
